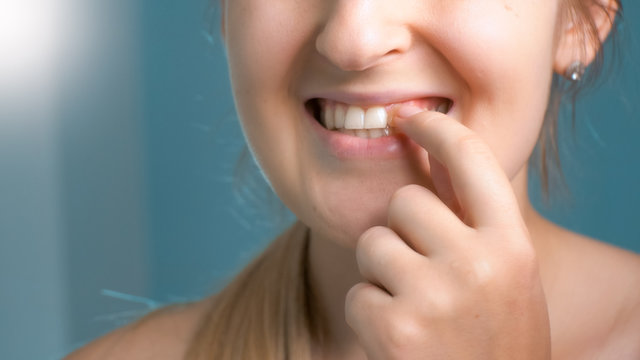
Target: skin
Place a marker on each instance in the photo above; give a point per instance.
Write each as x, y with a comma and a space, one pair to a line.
437, 253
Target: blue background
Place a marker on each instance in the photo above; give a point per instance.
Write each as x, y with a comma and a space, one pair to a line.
128, 199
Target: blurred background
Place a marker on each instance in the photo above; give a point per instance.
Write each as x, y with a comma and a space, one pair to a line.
119, 147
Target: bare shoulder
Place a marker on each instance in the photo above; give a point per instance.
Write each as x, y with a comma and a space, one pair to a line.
623, 277
614, 268
605, 297
163, 334
623, 341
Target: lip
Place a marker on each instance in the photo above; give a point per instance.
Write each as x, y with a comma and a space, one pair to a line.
347, 147
375, 98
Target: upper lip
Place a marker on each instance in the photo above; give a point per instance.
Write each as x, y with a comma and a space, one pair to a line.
374, 98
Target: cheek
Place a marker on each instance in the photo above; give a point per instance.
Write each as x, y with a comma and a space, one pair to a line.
508, 74
264, 43
262, 46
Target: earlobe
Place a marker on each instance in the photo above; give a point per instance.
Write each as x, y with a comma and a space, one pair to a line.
583, 35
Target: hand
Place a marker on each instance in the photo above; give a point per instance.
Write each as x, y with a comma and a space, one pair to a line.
453, 276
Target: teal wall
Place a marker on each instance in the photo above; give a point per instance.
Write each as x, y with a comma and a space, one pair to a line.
199, 232
599, 154
124, 197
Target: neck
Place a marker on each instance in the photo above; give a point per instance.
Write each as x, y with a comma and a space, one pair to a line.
333, 271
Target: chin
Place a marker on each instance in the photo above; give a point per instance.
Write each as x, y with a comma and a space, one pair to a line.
343, 210
346, 231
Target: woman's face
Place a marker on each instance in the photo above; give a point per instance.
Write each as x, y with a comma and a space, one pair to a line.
294, 61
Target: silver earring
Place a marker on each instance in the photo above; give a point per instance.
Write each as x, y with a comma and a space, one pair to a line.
575, 71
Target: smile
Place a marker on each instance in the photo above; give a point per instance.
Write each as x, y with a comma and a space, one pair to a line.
367, 122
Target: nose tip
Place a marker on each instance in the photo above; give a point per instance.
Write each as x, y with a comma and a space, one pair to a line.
357, 35
351, 52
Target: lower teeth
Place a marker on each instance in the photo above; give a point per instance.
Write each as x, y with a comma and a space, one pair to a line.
367, 133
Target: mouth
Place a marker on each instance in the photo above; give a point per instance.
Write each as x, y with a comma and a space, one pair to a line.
367, 122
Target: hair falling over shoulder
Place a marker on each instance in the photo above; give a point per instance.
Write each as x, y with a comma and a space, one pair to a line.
266, 312
578, 12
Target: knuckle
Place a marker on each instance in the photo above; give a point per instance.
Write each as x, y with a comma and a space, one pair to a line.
519, 250
351, 297
471, 143
487, 271
404, 194
524, 254
354, 300
426, 119
482, 273
477, 272
371, 234
444, 306
365, 257
402, 334
369, 239
468, 141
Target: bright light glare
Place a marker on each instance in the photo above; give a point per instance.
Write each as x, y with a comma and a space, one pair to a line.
30, 36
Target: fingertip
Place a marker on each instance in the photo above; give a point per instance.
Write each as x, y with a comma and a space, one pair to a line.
405, 115
408, 110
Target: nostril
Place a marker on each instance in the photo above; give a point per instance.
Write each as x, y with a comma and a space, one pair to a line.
358, 35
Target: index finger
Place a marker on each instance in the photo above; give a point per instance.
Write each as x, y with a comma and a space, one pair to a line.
478, 180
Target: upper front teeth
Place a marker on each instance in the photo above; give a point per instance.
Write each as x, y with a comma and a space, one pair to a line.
375, 118
341, 116
358, 118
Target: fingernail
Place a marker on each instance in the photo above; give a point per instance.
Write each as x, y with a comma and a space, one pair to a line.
408, 110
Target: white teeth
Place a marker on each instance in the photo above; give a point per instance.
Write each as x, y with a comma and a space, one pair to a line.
375, 118
376, 133
367, 133
354, 118
362, 133
328, 115
338, 119
340, 116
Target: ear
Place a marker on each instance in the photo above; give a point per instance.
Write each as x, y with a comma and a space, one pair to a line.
579, 41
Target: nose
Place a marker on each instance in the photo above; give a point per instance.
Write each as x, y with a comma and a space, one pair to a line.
360, 34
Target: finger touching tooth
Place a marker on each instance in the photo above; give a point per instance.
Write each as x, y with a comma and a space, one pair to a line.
406, 111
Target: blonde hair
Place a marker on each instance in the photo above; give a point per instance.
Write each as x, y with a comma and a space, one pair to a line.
546, 158
268, 313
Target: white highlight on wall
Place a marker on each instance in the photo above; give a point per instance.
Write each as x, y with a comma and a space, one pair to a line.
31, 35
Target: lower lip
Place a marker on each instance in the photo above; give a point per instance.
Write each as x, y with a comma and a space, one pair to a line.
347, 147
